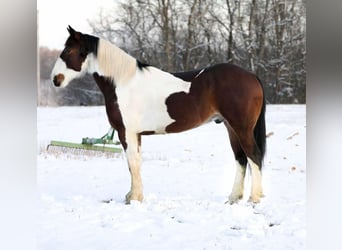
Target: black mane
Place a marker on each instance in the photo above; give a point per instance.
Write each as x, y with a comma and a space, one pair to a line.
92, 43
142, 65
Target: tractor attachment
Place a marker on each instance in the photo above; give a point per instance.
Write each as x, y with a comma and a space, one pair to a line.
105, 144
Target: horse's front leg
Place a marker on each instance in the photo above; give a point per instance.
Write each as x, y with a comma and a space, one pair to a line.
133, 155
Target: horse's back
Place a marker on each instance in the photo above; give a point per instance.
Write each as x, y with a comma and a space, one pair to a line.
222, 77
226, 83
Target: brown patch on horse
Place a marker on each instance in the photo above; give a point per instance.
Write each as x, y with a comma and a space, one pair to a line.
243, 108
147, 133
75, 51
112, 107
190, 110
237, 93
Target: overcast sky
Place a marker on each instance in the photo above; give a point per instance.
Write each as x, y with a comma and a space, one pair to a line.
55, 15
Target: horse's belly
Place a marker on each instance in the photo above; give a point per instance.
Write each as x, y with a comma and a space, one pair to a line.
156, 123
151, 117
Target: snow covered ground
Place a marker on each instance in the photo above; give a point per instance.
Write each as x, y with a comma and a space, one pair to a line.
187, 178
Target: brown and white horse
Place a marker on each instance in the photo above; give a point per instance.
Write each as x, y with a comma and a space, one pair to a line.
144, 100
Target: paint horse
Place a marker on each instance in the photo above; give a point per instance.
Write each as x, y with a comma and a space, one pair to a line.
144, 100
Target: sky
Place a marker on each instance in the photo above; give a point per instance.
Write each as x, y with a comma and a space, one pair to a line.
54, 17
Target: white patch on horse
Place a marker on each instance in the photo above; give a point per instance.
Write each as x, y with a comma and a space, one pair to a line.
199, 73
142, 99
69, 74
256, 192
92, 64
237, 191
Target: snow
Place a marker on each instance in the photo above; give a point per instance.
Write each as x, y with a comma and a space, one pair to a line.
187, 178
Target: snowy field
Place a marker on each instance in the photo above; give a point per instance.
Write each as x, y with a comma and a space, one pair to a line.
187, 178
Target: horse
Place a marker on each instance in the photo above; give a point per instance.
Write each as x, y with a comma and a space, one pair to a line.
141, 99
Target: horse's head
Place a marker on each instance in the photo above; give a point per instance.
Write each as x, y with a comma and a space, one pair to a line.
73, 61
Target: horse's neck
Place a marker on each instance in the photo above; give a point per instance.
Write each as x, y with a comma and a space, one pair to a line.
114, 63
107, 88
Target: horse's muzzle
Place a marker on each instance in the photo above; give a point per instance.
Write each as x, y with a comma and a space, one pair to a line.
58, 79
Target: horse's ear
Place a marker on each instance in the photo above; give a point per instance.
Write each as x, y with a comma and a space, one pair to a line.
73, 33
71, 30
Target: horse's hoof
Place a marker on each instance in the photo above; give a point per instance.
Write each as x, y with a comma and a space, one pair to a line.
254, 199
131, 196
234, 199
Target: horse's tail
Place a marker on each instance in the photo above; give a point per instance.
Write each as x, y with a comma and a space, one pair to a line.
260, 127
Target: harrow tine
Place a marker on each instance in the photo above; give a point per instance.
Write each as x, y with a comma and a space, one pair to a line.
79, 149
60, 150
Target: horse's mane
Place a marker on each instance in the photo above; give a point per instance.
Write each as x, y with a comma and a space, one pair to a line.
115, 63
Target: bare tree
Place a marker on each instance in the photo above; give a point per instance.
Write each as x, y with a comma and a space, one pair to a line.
266, 36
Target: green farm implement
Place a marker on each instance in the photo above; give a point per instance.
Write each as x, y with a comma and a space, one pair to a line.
105, 144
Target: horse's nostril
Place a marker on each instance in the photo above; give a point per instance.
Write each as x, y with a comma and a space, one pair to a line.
58, 79
55, 81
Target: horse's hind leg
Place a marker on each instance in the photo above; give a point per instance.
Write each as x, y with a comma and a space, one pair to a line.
245, 150
256, 192
254, 159
241, 164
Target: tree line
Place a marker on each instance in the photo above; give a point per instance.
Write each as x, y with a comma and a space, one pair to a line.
265, 36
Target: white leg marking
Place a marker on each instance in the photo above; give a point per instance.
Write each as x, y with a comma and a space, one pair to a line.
237, 191
256, 192
133, 155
